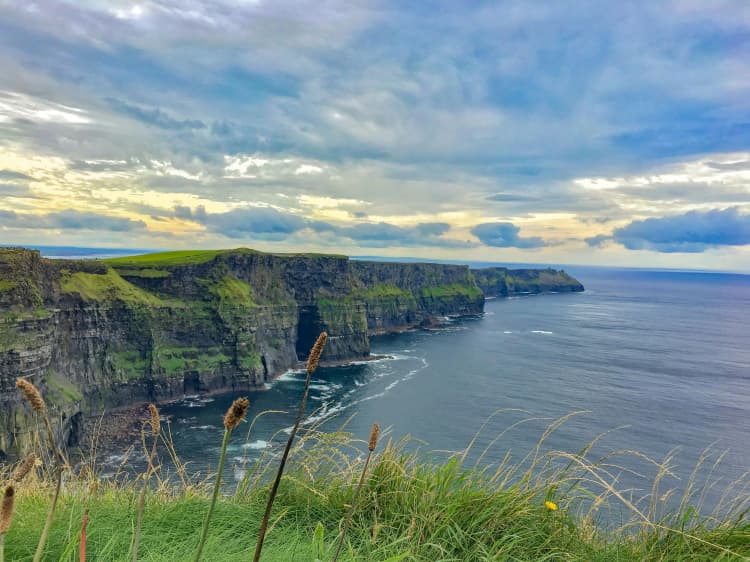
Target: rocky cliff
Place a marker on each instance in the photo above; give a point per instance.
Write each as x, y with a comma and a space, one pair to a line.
94, 334
503, 282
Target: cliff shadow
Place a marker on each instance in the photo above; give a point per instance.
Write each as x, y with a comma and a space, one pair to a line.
309, 326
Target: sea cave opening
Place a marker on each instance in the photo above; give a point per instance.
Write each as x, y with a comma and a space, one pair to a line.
309, 327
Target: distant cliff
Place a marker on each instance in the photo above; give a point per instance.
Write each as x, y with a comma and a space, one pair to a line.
95, 334
503, 282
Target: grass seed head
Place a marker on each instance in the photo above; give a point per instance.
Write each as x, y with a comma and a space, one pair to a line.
236, 413
25, 467
314, 358
6, 511
31, 394
373, 437
155, 420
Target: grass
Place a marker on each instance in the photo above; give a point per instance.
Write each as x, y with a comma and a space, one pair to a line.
175, 258
6, 285
454, 289
107, 287
408, 509
145, 273
169, 533
231, 291
61, 389
175, 361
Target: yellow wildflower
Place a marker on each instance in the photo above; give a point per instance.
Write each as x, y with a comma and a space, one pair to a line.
552, 506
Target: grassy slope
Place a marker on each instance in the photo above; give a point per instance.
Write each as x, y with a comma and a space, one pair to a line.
169, 533
96, 287
407, 510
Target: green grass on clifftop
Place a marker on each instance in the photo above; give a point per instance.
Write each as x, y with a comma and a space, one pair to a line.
106, 287
165, 259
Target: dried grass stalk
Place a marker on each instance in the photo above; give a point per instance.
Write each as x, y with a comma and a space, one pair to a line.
155, 420
24, 468
6, 511
312, 364
373, 437
370, 448
32, 395
314, 358
236, 413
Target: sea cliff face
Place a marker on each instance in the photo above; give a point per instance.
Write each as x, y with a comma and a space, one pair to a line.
504, 282
96, 334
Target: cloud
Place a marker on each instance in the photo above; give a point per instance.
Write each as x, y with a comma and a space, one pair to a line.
511, 197
10, 175
22, 108
381, 234
455, 116
155, 116
12, 190
265, 223
253, 222
693, 232
70, 219
597, 241
505, 235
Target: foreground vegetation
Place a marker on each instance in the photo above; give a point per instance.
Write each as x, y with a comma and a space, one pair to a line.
407, 510
392, 505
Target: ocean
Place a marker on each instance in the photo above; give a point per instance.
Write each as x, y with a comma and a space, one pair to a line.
653, 361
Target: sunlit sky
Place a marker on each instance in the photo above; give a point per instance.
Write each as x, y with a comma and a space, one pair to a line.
588, 132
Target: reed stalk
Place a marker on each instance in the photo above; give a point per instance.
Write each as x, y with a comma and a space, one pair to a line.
82, 548
6, 515
50, 516
370, 448
232, 419
155, 429
35, 400
312, 364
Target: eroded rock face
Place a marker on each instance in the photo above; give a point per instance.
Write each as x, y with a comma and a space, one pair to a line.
96, 334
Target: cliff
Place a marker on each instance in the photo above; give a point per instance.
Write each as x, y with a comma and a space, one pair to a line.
94, 334
503, 282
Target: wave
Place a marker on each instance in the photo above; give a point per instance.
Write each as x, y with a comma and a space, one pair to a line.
256, 445
542, 332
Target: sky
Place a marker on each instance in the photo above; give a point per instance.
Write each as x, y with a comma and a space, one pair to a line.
571, 132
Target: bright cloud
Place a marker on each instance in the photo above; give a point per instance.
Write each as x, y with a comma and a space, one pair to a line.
469, 132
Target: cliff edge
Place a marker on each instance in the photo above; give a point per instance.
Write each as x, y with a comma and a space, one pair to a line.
504, 282
101, 333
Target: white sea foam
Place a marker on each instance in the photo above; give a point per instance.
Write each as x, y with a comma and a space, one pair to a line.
323, 387
256, 445
291, 375
507, 332
541, 332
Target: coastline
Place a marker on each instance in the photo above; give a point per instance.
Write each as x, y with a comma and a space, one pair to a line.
121, 425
